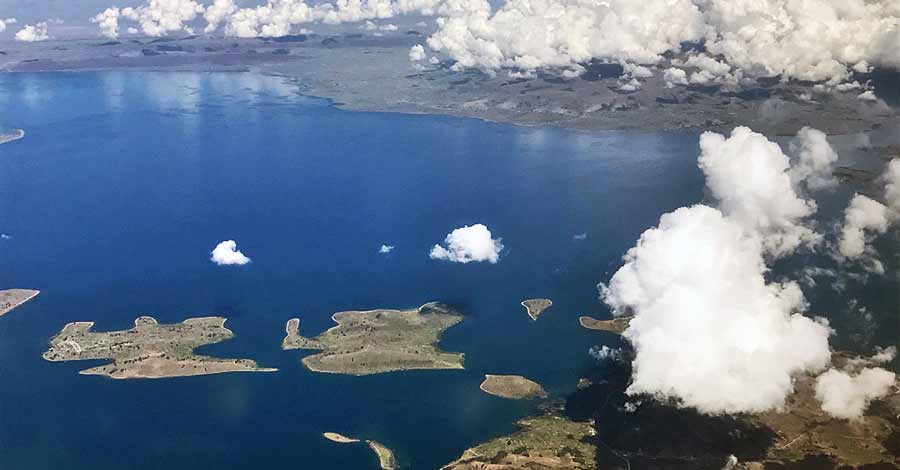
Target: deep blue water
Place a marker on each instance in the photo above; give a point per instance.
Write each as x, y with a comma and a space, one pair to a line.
125, 182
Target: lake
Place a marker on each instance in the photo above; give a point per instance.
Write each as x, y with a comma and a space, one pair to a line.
125, 182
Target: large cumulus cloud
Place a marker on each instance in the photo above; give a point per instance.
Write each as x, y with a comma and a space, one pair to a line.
710, 330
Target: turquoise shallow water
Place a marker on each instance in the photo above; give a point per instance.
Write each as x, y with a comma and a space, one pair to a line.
125, 182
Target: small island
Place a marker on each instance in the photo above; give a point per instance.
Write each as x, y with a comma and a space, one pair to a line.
11, 135
386, 458
544, 442
535, 307
514, 387
617, 325
12, 298
377, 341
149, 350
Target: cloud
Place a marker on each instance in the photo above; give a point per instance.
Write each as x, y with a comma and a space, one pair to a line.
748, 176
33, 33
226, 253
605, 352
417, 53
815, 159
5, 22
385, 249
847, 396
709, 330
862, 218
108, 22
580, 236
891, 179
673, 76
867, 95
217, 13
154, 17
467, 244
884, 355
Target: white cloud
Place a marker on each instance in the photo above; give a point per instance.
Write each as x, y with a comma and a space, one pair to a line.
226, 253
6, 22
580, 236
33, 33
748, 176
891, 179
417, 53
154, 17
847, 396
709, 330
217, 13
605, 352
108, 22
863, 218
884, 355
867, 95
467, 244
815, 159
385, 249
673, 76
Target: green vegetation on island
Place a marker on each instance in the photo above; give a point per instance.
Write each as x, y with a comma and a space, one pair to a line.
149, 350
12, 298
534, 307
376, 341
544, 442
514, 387
617, 325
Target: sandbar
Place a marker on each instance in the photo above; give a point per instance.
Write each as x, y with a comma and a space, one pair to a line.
12, 298
377, 341
149, 350
616, 325
514, 387
534, 307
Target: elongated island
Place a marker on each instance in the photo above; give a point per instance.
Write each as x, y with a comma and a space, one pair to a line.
149, 350
376, 341
12, 298
514, 387
11, 135
386, 458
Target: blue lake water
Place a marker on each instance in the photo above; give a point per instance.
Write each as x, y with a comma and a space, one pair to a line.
125, 182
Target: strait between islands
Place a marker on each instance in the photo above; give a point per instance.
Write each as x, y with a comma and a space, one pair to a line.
377, 341
385, 455
149, 350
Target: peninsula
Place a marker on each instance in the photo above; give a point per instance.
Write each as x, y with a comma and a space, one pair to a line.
544, 442
617, 325
514, 387
535, 307
12, 298
149, 350
376, 341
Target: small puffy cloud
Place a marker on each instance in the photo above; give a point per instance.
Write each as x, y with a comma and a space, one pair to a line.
33, 33
891, 179
605, 352
385, 249
748, 175
108, 22
863, 218
467, 244
867, 95
218, 13
884, 355
226, 253
847, 396
580, 236
417, 53
6, 22
815, 159
673, 76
